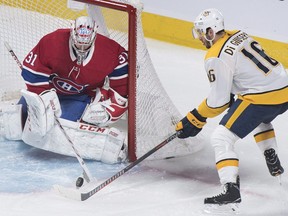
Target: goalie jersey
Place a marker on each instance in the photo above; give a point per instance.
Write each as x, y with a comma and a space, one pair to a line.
236, 64
52, 63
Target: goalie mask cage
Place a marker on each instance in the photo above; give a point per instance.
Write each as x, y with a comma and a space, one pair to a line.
151, 114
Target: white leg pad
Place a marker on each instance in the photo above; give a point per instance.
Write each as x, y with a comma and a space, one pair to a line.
40, 118
113, 146
92, 142
11, 121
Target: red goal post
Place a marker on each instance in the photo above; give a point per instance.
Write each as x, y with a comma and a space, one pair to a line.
132, 41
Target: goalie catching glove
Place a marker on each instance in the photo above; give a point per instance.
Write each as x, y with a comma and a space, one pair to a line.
190, 125
107, 107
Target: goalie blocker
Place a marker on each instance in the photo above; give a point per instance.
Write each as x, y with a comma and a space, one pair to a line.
40, 130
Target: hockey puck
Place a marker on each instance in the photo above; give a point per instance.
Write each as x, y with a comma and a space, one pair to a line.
79, 182
167, 158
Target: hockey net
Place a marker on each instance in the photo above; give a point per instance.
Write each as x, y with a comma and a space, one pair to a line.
151, 115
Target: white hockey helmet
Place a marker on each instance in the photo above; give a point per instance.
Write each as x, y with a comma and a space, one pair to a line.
209, 18
83, 33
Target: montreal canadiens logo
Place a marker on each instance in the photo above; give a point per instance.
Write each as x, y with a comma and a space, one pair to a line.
66, 86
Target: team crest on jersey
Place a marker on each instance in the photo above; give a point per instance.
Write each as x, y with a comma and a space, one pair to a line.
66, 86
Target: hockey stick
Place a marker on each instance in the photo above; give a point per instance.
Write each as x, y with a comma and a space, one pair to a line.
13, 55
86, 174
82, 196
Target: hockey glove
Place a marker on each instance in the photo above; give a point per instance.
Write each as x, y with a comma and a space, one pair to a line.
190, 125
107, 108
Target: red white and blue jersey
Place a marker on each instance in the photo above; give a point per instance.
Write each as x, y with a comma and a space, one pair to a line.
52, 63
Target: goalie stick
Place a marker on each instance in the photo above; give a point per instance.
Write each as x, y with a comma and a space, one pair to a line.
82, 196
13, 54
86, 174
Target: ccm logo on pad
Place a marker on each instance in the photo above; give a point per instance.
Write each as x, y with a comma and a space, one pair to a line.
91, 128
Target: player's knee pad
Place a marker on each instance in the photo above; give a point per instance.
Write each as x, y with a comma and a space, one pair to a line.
11, 121
223, 141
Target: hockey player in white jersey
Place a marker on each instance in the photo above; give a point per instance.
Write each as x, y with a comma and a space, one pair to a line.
237, 65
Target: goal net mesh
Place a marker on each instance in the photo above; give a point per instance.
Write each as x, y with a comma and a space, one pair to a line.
23, 23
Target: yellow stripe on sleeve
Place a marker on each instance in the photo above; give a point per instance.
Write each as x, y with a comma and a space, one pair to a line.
209, 112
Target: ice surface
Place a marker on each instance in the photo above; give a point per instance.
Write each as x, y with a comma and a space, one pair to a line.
173, 187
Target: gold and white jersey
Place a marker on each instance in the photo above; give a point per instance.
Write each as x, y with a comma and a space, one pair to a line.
237, 64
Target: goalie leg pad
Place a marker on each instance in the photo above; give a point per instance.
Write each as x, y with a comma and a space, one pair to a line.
115, 149
104, 144
40, 113
92, 142
11, 121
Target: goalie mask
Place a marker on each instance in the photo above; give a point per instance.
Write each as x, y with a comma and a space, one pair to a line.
83, 35
209, 18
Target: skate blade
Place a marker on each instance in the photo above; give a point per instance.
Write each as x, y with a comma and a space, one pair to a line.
227, 209
279, 179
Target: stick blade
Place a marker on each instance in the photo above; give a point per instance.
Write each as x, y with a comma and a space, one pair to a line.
7, 46
70, 193
79, 194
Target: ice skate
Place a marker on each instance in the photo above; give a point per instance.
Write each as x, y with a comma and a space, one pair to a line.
273, 162
225, 203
